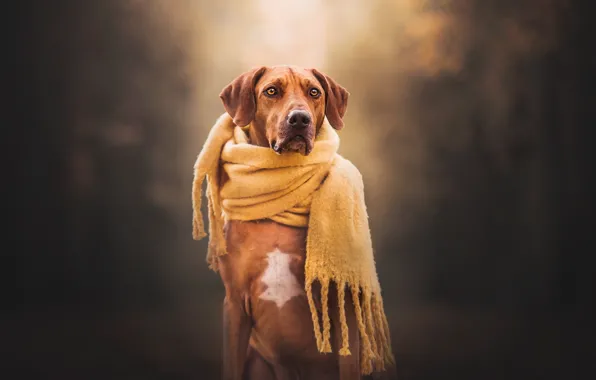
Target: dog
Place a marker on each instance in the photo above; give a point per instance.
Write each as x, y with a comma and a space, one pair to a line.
268, 328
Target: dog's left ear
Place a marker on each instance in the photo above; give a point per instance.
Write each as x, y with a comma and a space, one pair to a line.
239, 97
336, 99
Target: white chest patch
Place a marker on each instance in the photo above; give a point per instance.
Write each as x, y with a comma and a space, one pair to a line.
281, 283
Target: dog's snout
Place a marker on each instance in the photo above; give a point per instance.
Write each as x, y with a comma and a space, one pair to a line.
299, 119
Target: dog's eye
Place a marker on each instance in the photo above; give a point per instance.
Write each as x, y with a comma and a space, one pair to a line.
271, 91
315, 93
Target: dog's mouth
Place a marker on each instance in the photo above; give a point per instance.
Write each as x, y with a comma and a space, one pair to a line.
297, 143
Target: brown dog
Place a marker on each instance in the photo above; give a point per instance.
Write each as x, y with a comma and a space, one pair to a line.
268, 329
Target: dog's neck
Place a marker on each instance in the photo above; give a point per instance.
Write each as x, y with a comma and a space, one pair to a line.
256, 135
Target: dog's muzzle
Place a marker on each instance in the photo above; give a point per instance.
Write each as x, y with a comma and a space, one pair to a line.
296, 133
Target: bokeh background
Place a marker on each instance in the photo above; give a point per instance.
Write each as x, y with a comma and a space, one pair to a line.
470, 121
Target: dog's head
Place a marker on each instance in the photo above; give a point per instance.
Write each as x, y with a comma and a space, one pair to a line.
285, 106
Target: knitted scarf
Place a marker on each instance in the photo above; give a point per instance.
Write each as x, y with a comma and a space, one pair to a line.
321, 191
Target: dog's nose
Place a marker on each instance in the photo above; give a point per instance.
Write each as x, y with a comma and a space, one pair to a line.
299, 119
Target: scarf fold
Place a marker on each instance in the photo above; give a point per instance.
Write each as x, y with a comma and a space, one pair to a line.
322, 191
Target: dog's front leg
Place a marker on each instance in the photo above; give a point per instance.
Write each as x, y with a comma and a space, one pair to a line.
237, 327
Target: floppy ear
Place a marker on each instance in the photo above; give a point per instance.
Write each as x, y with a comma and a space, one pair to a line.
336, 99
239, 97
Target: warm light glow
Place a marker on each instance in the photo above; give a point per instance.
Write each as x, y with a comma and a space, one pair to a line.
286, 32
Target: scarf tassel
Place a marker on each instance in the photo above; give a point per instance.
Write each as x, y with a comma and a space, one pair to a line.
375, 341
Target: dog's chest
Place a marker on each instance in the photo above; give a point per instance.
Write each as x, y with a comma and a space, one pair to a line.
266, 261
281, 284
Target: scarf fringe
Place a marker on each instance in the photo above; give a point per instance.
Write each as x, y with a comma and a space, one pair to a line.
207, 168
375, 340
217, 243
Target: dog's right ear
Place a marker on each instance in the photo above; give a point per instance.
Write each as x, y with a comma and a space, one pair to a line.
239, 97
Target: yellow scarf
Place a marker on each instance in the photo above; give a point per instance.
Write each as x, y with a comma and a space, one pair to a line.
322, 191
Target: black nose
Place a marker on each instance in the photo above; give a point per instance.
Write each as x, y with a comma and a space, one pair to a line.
299, 119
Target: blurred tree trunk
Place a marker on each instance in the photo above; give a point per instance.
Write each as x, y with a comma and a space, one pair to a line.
575, 189
103, 100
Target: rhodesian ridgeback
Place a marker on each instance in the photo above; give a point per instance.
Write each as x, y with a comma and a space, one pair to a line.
268, 328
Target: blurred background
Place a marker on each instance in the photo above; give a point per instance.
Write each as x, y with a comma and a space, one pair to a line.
470, 121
